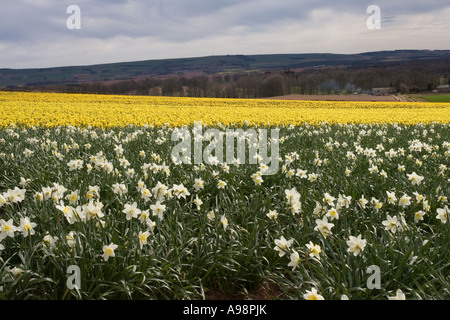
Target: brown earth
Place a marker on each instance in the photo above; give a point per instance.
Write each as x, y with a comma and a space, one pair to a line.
267, 291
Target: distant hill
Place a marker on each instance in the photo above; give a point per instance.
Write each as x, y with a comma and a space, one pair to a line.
211, 65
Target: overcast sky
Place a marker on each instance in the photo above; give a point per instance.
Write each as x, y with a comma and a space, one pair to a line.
34, 33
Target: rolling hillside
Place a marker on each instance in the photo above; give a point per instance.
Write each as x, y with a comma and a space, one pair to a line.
226, 64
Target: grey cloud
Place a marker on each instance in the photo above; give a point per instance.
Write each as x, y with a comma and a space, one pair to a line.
197, 26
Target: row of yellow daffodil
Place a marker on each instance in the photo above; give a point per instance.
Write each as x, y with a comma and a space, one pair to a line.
51, 109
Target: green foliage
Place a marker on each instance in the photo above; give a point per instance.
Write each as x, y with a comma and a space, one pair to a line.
187, 254
437, 98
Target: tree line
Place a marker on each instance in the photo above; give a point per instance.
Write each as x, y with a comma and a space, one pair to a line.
407, 77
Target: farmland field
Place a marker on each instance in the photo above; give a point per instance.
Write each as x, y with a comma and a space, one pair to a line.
89, 187
45, 109
437, 98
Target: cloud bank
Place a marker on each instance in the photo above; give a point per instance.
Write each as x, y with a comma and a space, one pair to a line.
33, 33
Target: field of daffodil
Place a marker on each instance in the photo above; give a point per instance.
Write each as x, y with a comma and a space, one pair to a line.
93, 206
48, 109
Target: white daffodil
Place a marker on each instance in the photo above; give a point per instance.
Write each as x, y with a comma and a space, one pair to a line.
363, 201
314, 250
273, 214
108, 251
49, 242
329, 199
391, 223
198, 184
332, 214
158, 209
418, 216
224, 221
221, 184
198, 202
415, 179
356, 245
399, 295
73, 197
323, 226
281, 245
312, 295
67, 211
391, 197
26, 227
142, 236
404, 201
131, 211
160, 191
442, 214
211, 215
292, 196
144, 215
91, 210
343, 201
295, 260
7, 229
